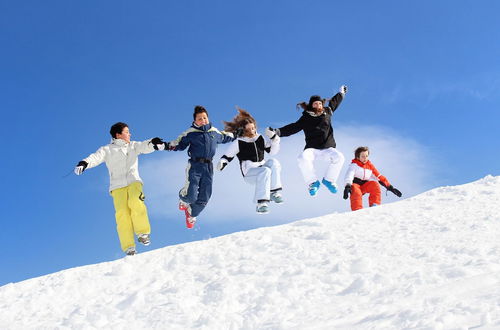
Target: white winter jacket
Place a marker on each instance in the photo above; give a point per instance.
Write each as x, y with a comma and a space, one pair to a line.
121, 161
364, 172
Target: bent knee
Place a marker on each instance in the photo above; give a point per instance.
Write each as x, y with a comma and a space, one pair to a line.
338, 157
274, 163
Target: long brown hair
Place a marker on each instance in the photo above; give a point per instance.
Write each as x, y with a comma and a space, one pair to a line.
240, 120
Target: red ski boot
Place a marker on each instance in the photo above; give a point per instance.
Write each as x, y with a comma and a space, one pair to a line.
190, 221
183, 206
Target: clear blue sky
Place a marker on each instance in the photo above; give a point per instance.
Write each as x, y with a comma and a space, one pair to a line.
422, 74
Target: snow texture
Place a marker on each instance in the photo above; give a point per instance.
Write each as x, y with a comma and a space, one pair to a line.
427, 262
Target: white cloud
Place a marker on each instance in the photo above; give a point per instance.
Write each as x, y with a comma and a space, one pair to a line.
408, 165
479, 87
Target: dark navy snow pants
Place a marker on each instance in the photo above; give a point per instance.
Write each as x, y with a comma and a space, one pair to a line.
198, 188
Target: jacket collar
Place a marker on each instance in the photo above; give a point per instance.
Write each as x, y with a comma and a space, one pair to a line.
314, 114
119, 142
360, 164
203, 128
247, 139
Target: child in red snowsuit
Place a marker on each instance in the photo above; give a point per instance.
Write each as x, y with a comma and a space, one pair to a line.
363, 178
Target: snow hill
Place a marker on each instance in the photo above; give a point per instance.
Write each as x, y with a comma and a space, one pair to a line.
427, 262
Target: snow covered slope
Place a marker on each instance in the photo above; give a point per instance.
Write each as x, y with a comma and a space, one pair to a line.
427, 262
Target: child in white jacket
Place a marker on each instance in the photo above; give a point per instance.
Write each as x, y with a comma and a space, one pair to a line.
125, 184
361, 178
250, 148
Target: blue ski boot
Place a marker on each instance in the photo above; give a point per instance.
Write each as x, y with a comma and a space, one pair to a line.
330, 186
313, 188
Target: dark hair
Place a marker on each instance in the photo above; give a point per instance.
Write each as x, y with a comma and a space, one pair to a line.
199, 109
117, 129
242, 119
315, 98
359, 150
307, 106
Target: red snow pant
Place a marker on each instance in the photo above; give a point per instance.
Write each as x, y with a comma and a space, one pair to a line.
357, 192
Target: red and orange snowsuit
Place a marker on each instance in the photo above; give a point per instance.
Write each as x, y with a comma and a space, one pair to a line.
364, 179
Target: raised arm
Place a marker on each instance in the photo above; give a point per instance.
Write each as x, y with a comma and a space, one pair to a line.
337, 98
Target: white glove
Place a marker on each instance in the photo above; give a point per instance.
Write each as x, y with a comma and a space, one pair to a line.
221, 164
78, 170
161, 146
270, 133
343, 89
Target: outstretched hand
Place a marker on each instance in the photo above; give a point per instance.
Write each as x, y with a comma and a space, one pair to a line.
343, 89
158, 143
395, 191
222, 164
272, 132
80, 167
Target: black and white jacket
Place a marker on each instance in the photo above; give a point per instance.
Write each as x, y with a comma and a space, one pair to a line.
250, 151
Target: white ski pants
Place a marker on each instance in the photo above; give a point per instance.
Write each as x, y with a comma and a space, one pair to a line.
265, 178
309, 155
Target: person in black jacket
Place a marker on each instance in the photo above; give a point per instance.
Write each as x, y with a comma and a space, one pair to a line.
320, 143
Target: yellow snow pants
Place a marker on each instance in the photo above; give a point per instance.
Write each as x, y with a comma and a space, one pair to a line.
130, 213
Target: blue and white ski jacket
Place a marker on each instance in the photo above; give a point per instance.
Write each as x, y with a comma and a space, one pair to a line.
201, 140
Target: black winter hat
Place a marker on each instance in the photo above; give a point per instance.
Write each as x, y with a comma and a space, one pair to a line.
313, 99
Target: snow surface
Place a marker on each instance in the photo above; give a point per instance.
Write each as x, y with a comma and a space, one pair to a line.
427, 262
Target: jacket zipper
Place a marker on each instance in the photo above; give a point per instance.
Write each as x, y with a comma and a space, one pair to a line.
256, 152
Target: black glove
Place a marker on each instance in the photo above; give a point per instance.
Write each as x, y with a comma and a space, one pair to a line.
157, 142
394, 191
347, 191
80, 167
222, 164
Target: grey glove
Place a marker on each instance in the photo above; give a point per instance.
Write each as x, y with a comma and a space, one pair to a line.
272, 132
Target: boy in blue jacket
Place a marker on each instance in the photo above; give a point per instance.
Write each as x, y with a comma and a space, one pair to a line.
201, 139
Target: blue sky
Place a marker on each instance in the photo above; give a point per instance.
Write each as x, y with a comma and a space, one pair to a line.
423, 77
